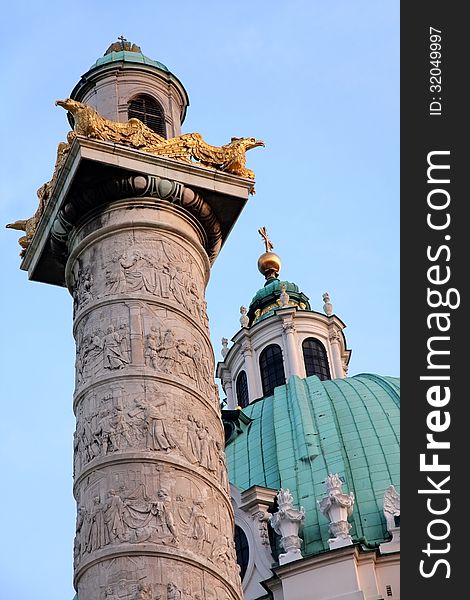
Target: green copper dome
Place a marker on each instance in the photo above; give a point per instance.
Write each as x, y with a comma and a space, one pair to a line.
309, 429
126, 56
266, 300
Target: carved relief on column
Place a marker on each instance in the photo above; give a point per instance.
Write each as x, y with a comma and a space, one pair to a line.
116, 422
150, 473
103, 343
129, 579
152, 269
145, 510
83, 292
155, 339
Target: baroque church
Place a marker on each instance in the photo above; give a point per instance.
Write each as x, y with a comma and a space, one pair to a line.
304, 502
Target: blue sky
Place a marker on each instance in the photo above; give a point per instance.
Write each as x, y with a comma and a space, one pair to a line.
319, 82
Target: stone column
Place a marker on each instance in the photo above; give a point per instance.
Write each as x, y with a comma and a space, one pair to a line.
154, 514
293, 367
254, 390
336, 354
228, 389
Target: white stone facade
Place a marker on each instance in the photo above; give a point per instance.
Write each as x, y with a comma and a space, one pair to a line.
251, 515
345, 574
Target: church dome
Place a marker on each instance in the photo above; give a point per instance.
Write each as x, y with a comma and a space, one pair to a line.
267, 299
128, 56
309, 429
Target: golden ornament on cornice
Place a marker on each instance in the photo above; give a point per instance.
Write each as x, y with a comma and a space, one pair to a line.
229, 158
260, 313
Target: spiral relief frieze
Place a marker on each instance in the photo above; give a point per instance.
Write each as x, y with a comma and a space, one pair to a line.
150, 475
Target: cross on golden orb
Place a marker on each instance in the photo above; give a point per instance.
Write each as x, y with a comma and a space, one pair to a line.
267, 242
122, 39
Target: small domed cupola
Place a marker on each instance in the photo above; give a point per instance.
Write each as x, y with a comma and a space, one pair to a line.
125, 84
281, 336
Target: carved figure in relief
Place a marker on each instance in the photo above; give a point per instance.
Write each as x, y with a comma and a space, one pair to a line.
90, 350
113, 517
82, 289
197, 525
105, 431
144, 592
150, 519
167, 352
151, 347
207, 458
194, 299
173, 592
113, 350
156, 434
98, 534
77, 544
193, 443
223, 474
114, 277
177, 284
110, 595
91, 437
124, 341
163, 516
223, 554
203, 314
185, 363
142, 273
165, 273
120, 435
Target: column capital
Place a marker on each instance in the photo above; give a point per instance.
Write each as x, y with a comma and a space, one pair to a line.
288, 327
96, 172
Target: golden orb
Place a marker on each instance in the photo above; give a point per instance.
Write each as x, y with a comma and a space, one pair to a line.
269, 264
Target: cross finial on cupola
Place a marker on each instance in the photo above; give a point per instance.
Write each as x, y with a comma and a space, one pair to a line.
267, 242
269, 263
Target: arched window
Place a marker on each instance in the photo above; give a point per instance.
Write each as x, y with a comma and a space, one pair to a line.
242, 550
149, 111
242, 390
315, 359
272, 369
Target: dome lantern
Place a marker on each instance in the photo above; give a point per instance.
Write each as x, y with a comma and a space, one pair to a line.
124, 83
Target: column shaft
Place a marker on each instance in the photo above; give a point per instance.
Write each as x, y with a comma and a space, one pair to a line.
154, 514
